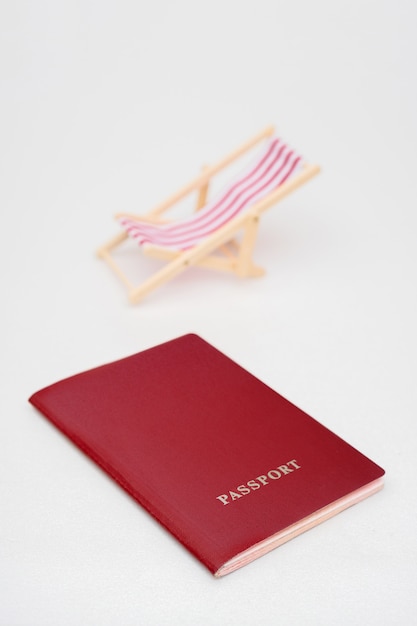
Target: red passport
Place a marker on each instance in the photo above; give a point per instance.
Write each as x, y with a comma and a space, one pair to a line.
230, 467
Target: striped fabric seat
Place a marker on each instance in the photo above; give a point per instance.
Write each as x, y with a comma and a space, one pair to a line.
276, 163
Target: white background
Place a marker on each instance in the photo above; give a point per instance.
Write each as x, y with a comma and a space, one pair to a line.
110, 106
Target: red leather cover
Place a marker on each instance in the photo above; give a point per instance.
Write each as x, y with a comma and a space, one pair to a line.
216, 456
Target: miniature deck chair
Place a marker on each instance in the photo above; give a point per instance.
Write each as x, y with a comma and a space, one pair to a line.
208, 237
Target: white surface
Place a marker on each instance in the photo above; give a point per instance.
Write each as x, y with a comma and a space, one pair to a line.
109, 106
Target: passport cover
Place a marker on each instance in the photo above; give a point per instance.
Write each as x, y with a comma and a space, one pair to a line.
230, 467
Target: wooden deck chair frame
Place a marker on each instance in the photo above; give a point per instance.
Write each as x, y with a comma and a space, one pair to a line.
219, 251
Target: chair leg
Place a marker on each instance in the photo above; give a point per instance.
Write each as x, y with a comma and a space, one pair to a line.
245, 265
176, 266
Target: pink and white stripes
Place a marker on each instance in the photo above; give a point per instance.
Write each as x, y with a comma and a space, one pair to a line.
273, 167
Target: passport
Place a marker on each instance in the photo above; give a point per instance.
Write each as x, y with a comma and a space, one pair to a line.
227, 465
